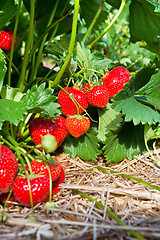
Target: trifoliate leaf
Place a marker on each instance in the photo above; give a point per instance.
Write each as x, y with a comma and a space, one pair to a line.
130, 100
86, 147
11, 111
127, 143
108, 120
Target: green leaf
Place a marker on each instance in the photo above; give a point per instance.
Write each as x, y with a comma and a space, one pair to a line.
3, 69
11, 93
86, 147
131, 104
41, 100
136, 111
148, 132
108, 120
11, 111
127, 143
145, 28
83, 56
58, 47
7, 11
151, 91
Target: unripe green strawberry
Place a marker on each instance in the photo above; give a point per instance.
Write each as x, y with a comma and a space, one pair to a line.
69, 106
77, 125
98, 96
6, 40
49, 143
115, 79
8, 169
39, 189
40, 127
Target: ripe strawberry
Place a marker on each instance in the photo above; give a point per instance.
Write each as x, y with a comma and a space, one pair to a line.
60, 179
6, 40
39, 167
69, 106
98, 96
39, 189
115, 79
55, 184
77, 125
86, 87
8, 169
40, 127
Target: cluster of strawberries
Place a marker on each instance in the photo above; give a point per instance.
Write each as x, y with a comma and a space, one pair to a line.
38, 179
48, 135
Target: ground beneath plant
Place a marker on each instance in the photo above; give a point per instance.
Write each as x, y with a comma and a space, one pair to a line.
76, 217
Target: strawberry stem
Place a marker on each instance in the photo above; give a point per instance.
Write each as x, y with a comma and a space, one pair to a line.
71, 45
110, 25
40, 52
27, 47
13, 42
93, 22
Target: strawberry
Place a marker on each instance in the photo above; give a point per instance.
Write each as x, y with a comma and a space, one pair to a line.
55, 184
69, 106
6, 40
40, 127
98, 96
115, 79
59, 180
39, 189
77, 125
8, 169
86, 87
39, 167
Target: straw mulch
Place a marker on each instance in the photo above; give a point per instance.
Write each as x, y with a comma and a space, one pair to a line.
75, 217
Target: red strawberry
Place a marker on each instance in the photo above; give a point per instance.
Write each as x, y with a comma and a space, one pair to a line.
6, 40
98, 96
8, 169
39, 189
115, 79
39, 167
60, 179
40, 127
77, 125
86, 87
69, 106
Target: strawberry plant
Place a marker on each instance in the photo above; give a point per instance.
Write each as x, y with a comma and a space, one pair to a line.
35, 100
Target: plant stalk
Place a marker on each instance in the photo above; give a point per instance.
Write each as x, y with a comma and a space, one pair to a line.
110, 25
71, 45
12, 46
28, 45
93, 22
